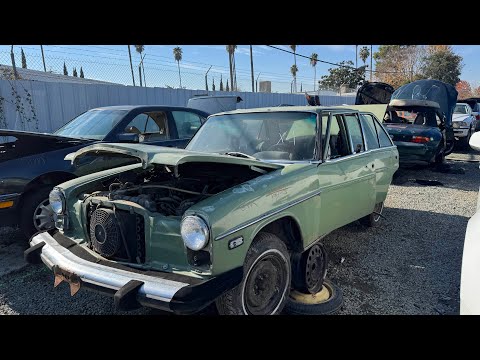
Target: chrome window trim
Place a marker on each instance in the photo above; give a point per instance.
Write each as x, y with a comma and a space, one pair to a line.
7, 196
267, 215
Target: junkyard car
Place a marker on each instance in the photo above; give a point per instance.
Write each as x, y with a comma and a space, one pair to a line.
419, 120
469, 285
235, 218
31, 164
464, 123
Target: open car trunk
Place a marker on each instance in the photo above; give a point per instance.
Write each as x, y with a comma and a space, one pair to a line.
374, 93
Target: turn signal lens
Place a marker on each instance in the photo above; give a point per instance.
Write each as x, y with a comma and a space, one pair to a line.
6, 204
420, 139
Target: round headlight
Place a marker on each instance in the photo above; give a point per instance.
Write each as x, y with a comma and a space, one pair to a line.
194, 232
57, 201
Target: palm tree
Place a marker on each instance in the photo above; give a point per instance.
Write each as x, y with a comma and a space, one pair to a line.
294, 70
313, 62
177, 53
294, 49
231, 59
140, 49
364, 54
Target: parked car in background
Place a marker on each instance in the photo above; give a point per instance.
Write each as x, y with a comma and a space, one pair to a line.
31, 164
419, 120
469, 284
464, 123
236, 217
474, 103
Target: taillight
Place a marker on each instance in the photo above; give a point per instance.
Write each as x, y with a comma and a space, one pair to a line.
420, 139
477, 117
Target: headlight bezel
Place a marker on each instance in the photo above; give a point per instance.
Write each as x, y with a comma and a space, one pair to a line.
56, 197
188, 236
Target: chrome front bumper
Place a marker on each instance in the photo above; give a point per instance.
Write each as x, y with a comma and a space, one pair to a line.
52, 253
130, 287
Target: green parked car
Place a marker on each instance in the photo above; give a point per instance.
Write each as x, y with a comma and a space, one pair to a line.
236, 218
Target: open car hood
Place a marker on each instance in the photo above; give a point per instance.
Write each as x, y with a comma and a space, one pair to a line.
374, 93
436, 91
150, 154
18, 144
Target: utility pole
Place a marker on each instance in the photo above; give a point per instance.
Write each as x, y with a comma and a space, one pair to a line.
371, 62
131, 66
140, 73
356, 56
206, 82
12, 56
43, 59
251, 67
257, 80
143, 67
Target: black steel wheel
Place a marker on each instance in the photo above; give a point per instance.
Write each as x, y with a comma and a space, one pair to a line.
310, 269
266, 280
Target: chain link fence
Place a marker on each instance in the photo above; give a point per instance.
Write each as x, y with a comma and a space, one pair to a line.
153, 72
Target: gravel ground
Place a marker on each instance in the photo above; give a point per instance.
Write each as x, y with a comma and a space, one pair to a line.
410, 264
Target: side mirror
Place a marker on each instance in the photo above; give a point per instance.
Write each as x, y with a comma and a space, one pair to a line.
475, 141
128, 137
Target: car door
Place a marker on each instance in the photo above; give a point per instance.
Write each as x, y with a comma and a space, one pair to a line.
346, 177
183, 125
379, 146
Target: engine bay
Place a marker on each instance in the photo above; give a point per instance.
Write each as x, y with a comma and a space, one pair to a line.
171, 191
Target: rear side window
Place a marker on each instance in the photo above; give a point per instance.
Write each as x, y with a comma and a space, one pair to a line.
370, 132
353, 128
383, 137
187, 123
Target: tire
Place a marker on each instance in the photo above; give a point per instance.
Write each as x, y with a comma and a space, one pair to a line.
30, 205
373, 219
464, 142
440, 158
309, 269
322, 307
266, 267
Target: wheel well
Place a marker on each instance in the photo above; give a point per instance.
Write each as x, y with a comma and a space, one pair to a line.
52, 178
288, 230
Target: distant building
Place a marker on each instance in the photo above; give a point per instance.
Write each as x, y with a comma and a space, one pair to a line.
36, 75
266, 86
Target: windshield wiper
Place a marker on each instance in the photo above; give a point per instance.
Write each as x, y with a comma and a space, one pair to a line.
239, 154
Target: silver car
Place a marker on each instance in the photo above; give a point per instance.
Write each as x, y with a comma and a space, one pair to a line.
464, 123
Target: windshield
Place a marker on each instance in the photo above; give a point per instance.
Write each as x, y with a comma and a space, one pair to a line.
413, 116
266, 136
460, 109
93, 124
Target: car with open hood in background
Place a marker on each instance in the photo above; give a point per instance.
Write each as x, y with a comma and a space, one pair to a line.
464, 123
236, 218
31, 164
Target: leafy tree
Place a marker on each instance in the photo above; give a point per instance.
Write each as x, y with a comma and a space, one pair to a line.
226, 88
65, 71
177, 54
339, 76
213, 84
24, 59
81, 73
464, 89
221, 83
75, 72
443, 65
476, 92
399, 64
313, 62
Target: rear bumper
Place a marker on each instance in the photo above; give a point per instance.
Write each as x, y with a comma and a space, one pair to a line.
9, 215
130, 287
410, 152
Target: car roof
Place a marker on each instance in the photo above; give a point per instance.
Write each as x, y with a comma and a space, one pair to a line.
316, 109
461, 103
146, 107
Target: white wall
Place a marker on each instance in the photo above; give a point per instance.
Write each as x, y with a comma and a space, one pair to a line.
57, 103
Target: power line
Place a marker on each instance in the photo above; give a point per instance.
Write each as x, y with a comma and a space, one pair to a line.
334, 64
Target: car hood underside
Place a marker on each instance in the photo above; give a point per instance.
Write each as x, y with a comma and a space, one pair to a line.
150, 155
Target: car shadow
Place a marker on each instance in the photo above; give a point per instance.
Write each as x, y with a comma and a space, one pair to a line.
460, 175
411, 264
